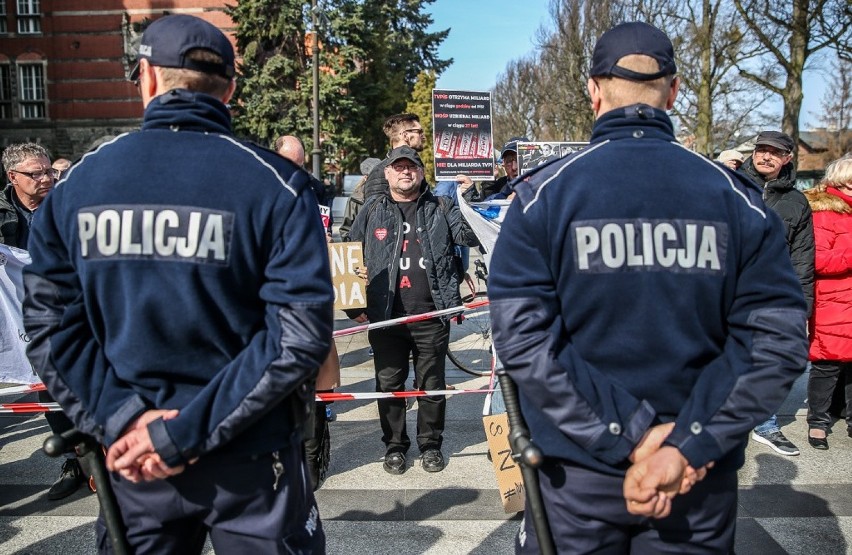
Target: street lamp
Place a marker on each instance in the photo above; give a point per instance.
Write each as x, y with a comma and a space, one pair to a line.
316, 153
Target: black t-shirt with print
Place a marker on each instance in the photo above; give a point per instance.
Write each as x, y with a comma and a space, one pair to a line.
413, 294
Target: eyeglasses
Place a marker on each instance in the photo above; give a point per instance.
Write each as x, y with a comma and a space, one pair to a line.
418, 131
772, 151
39, 175
399, 168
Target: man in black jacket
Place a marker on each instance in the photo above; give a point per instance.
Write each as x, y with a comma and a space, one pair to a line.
771, 166
408, 236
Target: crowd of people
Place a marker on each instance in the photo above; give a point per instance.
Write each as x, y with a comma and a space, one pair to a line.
182, 324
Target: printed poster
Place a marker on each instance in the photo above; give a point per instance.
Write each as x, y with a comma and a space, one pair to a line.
534, 154
461, 123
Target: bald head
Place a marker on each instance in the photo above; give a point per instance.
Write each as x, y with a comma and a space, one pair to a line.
291, 148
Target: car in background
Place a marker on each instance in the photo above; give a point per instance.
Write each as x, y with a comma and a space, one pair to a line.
338, 205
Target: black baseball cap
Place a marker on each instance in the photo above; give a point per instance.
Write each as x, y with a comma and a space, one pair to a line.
632, 38
167, 40
401, 152
775, 139
512, 145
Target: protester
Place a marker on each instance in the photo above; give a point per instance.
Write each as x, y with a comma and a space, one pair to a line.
771, 166
647, 329
291, 148
180, 318
356, 199
31, 178
317, 437
831, 325
733, 159
408, 236
60, 166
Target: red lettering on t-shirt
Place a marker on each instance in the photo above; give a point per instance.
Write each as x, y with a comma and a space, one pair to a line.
404, 282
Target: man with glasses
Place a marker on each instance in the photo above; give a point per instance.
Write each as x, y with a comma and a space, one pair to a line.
408, 236
31, 178
771, 166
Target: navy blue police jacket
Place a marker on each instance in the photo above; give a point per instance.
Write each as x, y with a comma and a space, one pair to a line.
177, 267
636, 283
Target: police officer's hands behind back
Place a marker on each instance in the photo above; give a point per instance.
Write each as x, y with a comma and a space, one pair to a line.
133, 455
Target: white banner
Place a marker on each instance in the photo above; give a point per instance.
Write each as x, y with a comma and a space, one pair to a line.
14, 365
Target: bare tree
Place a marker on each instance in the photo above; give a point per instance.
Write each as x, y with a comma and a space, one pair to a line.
791, 32
836, 113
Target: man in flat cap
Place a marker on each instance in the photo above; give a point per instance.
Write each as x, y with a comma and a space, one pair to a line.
647, 329
771, 166
179, 304
408, 236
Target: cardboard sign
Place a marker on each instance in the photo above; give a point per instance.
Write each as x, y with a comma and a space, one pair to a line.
509, 479
350, 291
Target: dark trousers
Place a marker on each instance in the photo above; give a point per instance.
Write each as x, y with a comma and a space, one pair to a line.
427, 341
57, 421
229, 496
587, 514
821, 384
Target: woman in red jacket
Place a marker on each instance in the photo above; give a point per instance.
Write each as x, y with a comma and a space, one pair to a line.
831, 324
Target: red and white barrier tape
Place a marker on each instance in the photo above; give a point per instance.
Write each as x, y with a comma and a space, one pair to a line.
16, 408
15, 390
410, 319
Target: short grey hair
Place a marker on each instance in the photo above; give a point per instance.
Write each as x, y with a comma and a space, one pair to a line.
16, 154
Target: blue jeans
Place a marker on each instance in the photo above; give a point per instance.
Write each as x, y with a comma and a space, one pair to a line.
768, 427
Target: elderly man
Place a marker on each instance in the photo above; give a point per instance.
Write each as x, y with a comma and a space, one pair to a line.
183, 324
31, 178
771, 166
408, 236
647, 329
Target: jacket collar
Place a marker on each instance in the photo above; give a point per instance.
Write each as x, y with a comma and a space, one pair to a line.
636, 121
183, 110
786, 178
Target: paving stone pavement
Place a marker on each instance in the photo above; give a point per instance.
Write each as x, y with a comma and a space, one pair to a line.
799, 505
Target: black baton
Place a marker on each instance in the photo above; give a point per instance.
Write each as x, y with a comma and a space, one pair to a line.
90, 451
529, 456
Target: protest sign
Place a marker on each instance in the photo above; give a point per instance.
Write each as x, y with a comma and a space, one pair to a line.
509, 479
461, 126
349, 289
534, 154
14, 365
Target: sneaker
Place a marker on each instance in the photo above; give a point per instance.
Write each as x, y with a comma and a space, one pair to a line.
432, 460
70, 479
370, 352
777, 442
395, 463
329, 414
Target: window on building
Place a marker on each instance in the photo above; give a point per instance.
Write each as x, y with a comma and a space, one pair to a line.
32, 100
3, 29
5, 91
29, 17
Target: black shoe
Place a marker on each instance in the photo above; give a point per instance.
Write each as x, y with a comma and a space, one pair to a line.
70, 480
820, 443
432, 460
849, 432
395, 463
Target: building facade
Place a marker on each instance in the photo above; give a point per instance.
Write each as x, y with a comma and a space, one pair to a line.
64, 67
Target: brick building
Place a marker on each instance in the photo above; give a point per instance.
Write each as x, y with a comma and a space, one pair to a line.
63, 67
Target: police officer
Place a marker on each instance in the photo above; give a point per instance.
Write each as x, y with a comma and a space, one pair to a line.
643, 300
179, 304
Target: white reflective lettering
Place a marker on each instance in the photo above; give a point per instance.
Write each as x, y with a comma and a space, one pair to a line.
686, 254
633, 259
86, 221
588, 242
163, 244
612, 246
666, 256
708, 254
109, 230
127, 244
147, 232
187, 245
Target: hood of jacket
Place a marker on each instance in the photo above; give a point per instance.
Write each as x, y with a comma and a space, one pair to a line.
829, 200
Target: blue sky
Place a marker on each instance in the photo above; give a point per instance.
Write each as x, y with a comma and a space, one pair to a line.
486, 34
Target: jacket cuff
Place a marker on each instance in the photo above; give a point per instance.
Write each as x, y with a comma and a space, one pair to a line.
628, 435
697, 445
126, 413
163, 444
